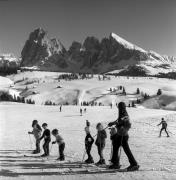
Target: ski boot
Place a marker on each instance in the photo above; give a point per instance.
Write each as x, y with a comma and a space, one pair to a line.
114, 166
133, 168
101, 162
89, 161
61, 159
43, 155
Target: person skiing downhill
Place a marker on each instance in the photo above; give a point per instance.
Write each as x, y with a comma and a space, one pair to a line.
37, 134
121, 139
164, 127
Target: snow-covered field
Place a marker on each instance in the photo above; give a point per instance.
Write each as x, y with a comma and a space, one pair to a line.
156, 156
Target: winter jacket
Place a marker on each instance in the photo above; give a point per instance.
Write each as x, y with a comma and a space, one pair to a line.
101, 136
37, 133
59, 139
89, 140
123, 125
46, 135
164, 124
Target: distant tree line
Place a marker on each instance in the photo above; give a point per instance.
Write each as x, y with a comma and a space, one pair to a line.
5, 96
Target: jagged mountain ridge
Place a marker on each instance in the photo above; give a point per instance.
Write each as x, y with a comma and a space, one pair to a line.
8, 64
92, 56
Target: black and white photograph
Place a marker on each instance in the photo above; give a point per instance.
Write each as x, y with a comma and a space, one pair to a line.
87, 89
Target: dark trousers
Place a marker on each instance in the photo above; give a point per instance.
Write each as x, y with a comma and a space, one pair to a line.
122, 141
88, 151
46, 146
37, 145
100, 148
165, 131
61, 150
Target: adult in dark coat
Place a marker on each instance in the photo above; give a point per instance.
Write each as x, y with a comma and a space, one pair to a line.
121, 139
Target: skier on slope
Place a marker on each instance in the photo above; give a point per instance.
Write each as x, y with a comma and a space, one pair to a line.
164, 127
60, 108
121, 139
81, 112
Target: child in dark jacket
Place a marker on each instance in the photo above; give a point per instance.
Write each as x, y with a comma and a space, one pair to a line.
100, 142
47, 138
113, 136
88, 145
61, 144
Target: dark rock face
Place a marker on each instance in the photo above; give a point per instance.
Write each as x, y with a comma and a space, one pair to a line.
93, 56
39, 50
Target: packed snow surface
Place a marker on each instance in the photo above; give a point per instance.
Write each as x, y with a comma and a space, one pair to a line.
156, 156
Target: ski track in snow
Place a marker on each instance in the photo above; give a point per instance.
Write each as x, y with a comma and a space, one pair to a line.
156, 156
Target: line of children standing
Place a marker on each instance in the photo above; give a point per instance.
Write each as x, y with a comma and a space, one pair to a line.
100, 143
47, 139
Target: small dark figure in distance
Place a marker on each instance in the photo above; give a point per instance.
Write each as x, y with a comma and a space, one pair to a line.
47, 138
85, 110
164, 127
87, 123
61, 144
60, 108
80, 112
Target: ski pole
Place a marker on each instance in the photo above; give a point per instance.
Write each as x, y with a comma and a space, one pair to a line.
51, 147
30, 140
84, 155
171, 132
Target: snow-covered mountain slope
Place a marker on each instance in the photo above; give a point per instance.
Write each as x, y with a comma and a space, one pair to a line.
125, 43
45, 86
92, 56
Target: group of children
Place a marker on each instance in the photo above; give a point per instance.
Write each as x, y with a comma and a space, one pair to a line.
37, 131
100, 143
89, 140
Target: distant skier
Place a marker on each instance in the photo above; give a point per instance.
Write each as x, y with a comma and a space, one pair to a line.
100, 142
85, 110
61, 144
121, 139
81, 112
47, 138
60, 108
88, 145
37, 134
87, 123
164, 127
111, 105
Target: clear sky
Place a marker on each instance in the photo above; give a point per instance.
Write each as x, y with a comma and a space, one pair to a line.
151, 24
